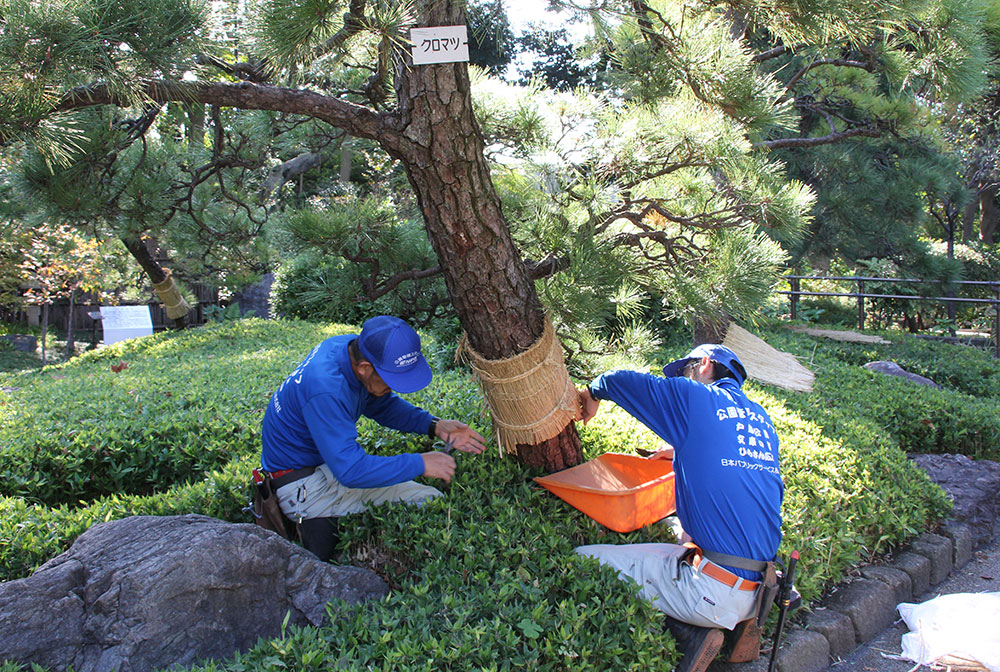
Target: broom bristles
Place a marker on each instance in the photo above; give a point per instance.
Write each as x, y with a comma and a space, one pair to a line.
838, 335
767, 364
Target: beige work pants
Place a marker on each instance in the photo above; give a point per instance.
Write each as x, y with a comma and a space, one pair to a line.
674, 586
321, 495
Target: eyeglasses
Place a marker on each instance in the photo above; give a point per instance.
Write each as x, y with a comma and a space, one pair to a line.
690, 368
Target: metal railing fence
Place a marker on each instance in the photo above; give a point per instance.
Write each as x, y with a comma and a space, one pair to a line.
795, 292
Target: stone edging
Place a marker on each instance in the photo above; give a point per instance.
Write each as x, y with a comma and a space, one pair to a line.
863, 607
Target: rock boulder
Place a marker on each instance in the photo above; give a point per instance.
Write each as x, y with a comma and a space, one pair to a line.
148, 592
974, 485
894, 369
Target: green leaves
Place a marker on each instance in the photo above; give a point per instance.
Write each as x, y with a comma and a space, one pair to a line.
484, 578
530, 629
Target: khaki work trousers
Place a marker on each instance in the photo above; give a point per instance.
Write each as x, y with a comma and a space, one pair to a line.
320, 495
674, 586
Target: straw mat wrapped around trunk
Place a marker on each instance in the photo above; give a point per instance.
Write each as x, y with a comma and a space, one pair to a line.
530, 394
170, 295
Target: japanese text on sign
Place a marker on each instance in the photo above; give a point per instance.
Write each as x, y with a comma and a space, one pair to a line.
120, 323
441, 44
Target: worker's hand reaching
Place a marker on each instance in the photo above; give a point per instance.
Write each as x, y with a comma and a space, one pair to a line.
588, 404
664, 454
462, 436
438, 465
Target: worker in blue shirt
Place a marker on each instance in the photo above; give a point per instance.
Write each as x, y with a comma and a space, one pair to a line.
728, 491
309, 434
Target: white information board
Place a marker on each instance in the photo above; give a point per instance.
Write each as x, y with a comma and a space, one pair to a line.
121, 323
441, 44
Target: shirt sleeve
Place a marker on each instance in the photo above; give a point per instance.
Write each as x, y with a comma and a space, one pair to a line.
659, 403
394, 412
333, 430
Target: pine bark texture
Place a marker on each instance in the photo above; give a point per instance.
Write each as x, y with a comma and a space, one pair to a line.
441, 147
705, 330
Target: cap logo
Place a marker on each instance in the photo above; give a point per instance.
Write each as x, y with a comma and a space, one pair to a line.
408, 359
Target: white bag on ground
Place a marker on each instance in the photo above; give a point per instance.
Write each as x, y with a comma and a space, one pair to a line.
963, 624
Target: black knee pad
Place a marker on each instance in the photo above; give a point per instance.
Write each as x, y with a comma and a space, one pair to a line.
320, 536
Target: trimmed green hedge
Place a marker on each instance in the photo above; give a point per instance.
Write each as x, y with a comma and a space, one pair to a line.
961, 417
484, 578
182, 406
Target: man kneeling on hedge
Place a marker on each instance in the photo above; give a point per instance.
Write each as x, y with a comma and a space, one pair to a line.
728, 491
310, 450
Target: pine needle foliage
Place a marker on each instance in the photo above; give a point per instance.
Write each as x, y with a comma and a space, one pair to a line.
736, 278
48, 46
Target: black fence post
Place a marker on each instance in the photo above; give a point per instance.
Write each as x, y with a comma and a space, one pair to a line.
794, 297
861, 304
996, 323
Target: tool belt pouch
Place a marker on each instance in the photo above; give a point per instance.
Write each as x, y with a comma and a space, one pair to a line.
267, 513
768, 590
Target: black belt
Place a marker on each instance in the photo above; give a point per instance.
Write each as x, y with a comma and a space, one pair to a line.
291, 477
735, 561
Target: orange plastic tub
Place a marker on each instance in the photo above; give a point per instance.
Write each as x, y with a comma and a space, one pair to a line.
622, 492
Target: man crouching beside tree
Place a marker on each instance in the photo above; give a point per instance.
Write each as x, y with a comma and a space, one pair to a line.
317, 470
728, 490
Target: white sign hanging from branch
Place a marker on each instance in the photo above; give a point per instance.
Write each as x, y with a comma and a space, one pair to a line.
440, 44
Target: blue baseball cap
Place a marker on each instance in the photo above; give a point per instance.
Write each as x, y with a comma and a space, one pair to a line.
393, 348
716, 353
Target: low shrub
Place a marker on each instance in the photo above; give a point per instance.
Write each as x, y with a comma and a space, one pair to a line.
969, 370
484, 577
116, 419
959, 418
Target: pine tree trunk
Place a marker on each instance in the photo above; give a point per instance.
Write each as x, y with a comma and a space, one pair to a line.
146, 261
442, 151
704, 330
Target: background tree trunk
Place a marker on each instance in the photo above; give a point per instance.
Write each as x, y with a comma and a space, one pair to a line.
345, 159
45, 332
442, 152
70, 344
990, 217
970, 215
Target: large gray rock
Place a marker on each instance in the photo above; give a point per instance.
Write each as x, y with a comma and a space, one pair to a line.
148, 592
256, 297
22, 342
894, 369
974, 485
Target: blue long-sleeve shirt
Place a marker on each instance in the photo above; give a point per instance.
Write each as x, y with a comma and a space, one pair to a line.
727, 480
312, 418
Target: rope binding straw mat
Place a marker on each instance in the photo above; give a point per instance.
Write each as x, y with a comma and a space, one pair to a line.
530, 394
170, 295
